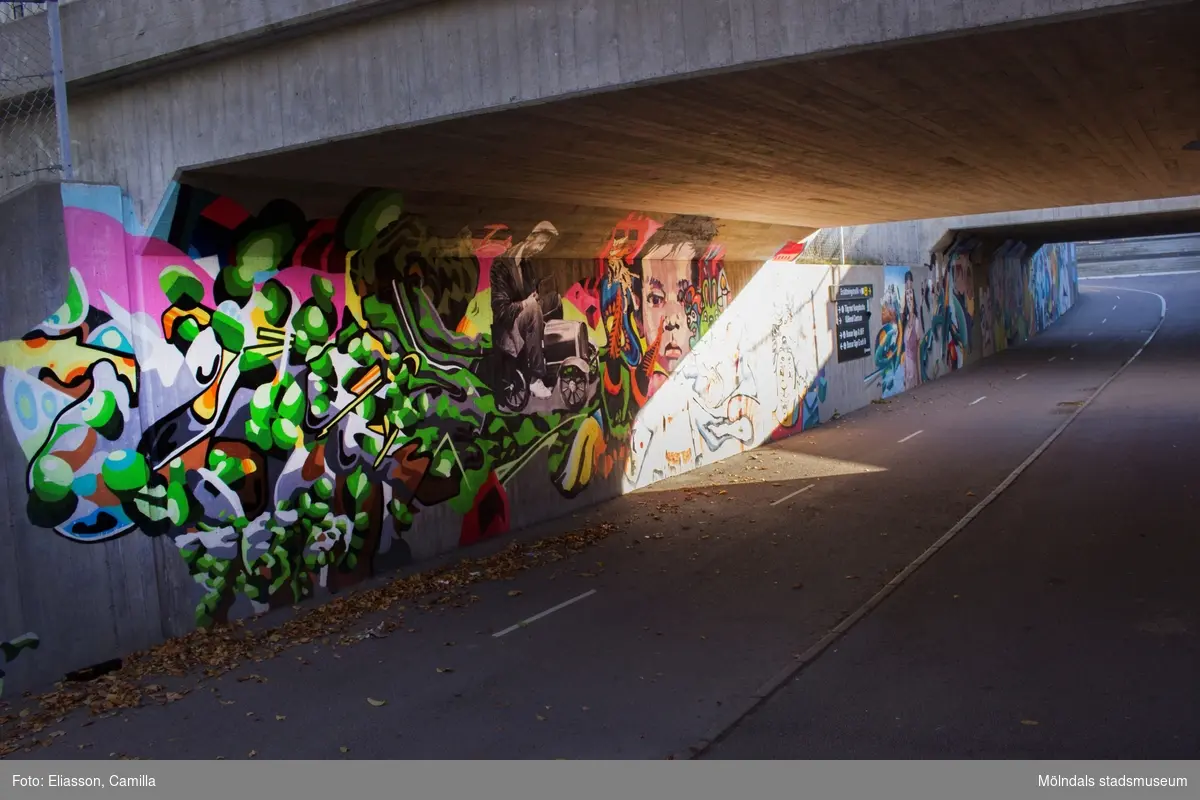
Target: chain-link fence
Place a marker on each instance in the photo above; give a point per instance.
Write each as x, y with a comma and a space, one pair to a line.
34, 139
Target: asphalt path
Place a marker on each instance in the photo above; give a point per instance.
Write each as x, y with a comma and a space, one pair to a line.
1062, 623
720, 583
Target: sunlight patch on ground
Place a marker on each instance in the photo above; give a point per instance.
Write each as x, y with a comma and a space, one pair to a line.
764, 466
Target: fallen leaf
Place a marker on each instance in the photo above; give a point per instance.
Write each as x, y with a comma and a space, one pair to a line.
376, 703
344, 749
280, 717
173, 696
970, 494
798, 586
1029, 722
228, 702
445, 669
540, 718
56, 734
514, 593
585, 708
252, 754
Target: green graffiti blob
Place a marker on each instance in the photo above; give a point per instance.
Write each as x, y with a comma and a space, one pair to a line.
13, 648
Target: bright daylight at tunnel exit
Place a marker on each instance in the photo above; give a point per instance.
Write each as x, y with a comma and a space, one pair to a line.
583, 380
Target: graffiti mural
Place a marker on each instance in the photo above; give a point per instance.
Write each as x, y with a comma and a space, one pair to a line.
931, 325
903, 325
283, 396
1026, 293
987, 321
291, 401
757, 375
1054, 279
959, 308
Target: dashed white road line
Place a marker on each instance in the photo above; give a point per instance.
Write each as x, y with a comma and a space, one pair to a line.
1114, 308
545, 613
977, 400
1022, 375
793, 494
1104, 320
1051, 358
1075, 345
1090, 333
910, 436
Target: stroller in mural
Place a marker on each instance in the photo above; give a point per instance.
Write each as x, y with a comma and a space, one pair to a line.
571, 365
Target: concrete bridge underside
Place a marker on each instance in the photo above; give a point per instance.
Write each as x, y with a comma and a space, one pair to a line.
1088, 110
804, 113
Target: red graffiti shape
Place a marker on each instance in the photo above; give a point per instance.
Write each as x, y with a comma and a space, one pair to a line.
488, 516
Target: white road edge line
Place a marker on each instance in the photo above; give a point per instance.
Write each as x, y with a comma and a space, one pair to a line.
1135, 275
545, 613
793, 494
808, 656
910, 436
1022, 375
977, 400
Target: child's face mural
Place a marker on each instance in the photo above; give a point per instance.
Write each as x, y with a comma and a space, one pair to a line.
667, 273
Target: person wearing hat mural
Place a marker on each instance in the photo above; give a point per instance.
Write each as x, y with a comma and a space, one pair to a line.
519, 308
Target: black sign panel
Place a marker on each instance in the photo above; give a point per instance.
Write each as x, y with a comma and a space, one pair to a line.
852, 304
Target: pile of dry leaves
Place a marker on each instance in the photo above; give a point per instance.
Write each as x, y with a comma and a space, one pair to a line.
213, 652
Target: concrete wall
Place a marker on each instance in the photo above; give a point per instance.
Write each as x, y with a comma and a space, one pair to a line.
913, 240
1186, 244
85, 604
247, 406
31, 235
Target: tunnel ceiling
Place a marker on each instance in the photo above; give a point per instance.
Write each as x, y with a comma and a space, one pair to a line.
1093, 110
